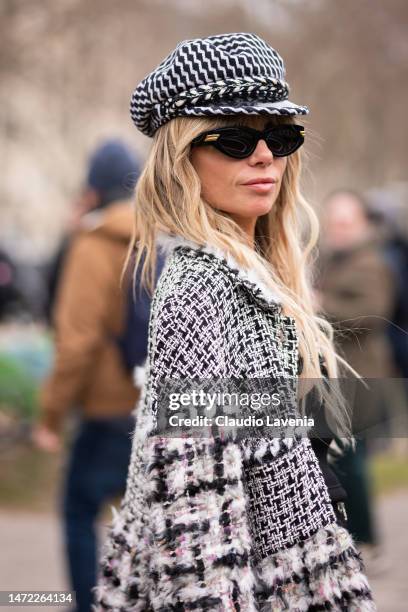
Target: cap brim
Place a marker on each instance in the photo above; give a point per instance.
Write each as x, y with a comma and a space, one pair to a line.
252, 107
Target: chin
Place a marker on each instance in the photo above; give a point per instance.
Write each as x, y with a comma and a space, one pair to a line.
260, 206
254, 207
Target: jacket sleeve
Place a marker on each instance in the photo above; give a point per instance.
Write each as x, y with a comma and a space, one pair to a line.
198, 536
80, 321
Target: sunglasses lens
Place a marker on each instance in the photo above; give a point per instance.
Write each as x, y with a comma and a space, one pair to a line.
285, 139
236, 144
239, 143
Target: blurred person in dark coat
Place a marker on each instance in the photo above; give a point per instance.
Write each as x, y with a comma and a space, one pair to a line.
89, 373
356, 290
11, 300
392, 220
83, 204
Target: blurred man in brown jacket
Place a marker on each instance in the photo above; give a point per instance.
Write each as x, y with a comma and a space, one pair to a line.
89, 374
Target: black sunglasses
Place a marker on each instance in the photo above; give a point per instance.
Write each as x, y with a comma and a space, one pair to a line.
240, 142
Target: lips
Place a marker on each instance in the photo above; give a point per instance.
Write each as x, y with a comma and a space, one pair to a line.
261, 185
260, 181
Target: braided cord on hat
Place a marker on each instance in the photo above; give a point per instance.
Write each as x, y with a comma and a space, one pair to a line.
157, 119
256, 88
272, 89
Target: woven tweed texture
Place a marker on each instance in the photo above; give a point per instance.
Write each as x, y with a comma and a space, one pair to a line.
225, 74
187, 534
287, 501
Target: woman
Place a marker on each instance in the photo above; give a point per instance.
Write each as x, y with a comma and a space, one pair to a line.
218, 523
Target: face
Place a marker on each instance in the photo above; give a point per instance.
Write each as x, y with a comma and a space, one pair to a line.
244, 188
344, 222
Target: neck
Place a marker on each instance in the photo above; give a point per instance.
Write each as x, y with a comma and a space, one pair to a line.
247, 224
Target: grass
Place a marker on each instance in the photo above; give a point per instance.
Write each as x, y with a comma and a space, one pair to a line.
389, 474
31, 480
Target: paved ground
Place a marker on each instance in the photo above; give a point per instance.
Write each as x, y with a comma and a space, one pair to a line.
30, 554
391, 587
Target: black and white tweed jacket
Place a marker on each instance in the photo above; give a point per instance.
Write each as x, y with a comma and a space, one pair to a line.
208, 523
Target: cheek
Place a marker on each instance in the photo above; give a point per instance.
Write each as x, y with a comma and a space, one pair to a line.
281, 163
214, 172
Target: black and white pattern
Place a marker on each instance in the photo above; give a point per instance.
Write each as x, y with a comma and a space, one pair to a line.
225, 74
288, 500
186, 536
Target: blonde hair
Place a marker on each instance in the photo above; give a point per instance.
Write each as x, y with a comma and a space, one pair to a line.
168, 198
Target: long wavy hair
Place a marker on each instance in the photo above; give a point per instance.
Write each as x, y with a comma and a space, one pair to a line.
168, 198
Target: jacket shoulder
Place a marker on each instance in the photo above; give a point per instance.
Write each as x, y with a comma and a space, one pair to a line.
189, 327
196, 276
115, 222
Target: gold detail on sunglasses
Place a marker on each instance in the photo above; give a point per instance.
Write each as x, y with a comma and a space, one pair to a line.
211, 137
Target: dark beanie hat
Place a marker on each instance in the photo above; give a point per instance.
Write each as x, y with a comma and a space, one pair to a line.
113, 171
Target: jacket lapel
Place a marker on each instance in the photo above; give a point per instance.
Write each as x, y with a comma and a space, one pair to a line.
250, 279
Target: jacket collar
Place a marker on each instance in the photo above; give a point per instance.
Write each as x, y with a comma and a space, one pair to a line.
250, 279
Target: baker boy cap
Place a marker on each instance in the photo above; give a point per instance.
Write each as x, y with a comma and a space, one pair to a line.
226, 74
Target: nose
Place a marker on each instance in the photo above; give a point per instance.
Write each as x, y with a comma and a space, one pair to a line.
262, 154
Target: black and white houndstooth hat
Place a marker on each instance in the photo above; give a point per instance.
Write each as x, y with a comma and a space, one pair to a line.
224, 74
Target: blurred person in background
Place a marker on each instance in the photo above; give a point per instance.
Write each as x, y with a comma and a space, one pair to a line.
356, 291
84, 203
390, 217
89, 373
11, 300
396, 251
103, 185
392, 221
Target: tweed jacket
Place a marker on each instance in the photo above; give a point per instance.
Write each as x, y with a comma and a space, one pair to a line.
211, 523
